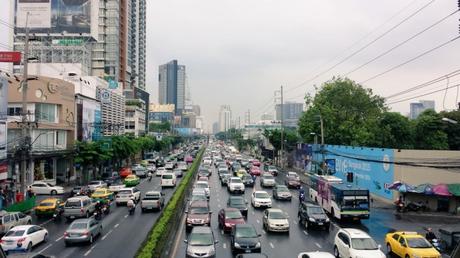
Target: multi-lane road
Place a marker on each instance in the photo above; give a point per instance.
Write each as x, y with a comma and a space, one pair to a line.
122, 233
298, 240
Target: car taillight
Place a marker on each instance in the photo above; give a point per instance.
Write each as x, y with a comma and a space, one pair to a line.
81, 210
66, 234
86, 233
20, 240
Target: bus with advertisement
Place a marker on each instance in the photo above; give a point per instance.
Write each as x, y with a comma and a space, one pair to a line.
342, 201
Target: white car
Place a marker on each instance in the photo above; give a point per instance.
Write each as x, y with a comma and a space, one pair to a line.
207, 161
169, 166
274, 220
46, 188
161, 171
261, 199
116, 186
182, 166
203, 185
293, 174
355, 243
127, 193
235, 184
151, 168
93, 185
168, 180
23, 238
267, 180
316, 254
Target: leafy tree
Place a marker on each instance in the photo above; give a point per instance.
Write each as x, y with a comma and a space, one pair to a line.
394, 131
274, 136
452, 130
350, 114
160, 127
428, 130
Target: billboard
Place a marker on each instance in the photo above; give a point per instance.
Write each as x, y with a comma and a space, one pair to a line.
91, 120
57, 16
3, 116
371, 168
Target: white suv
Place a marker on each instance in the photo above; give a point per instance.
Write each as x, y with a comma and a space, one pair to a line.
355, 243
235, 184
125, 194
168, 180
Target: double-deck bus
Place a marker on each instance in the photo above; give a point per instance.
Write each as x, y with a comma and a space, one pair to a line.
342, 201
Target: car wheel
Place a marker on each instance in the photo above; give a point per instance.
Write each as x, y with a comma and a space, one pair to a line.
389, 251
53, 192
29, 247
306, 224
91, 239
87, 214
67, 244
336, 252
29, 222
45, 238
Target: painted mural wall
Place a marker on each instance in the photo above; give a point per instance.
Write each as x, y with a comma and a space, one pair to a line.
370, 168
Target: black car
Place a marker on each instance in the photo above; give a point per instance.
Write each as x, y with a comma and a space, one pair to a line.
244, 239
247, 180
238, 201
312, 215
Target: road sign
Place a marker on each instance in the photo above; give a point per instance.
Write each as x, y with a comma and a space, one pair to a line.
10, 57
106, 96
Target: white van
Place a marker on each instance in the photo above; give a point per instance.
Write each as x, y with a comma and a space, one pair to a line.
168, 180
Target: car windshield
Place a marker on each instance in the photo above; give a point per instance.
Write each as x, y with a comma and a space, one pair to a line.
152, 197
364, 244
73, 204
94, 183
201, 185
99, 191
233, 215
199, 210
79, 225
14, 233
262, 195
246, 232
418, 243
124, 192
315, 210
247, 177
237, 201
268, 176
236, 180
167, 176
199, 197
200, 239
282, 188
276, 215
49, 185
47, 204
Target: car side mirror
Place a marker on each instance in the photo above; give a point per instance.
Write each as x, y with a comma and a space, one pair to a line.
185, 241
210, 212
379, 246
216, 241
186, 212
259, 235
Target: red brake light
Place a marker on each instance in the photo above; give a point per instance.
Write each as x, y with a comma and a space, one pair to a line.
66, 234
81, 210
20, 240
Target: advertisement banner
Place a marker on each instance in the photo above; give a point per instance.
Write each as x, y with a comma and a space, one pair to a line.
371, 168
35, 14
3, 98
57, 16
91, 119
3, 140
10, 57
3, 170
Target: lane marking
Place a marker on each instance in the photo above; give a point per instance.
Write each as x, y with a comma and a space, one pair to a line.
258, 221
45, 222
126, 216
116, 225
89, 251
104, 237
305, 232
44, 248
263, 230
57, 240
221, 231
295, 222
272, 246
253, 213
178, 237
225, 246
318, 245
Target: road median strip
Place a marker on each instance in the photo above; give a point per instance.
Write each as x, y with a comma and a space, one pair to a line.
157, 237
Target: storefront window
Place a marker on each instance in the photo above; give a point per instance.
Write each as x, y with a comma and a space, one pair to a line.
45, 112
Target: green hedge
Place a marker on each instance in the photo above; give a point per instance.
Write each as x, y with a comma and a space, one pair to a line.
154, 240
24, 206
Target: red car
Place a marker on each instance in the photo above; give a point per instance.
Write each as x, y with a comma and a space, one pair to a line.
293, 182
229, 217
256, 162
124, 172
255, 171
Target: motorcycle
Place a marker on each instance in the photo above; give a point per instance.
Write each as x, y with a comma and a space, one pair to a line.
97, 215
132, 209
416, 206
400, 207
301, 197
57, 215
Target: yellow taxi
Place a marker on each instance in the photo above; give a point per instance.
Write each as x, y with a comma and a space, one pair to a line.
240, 173
410, 245
102, 193
48, 206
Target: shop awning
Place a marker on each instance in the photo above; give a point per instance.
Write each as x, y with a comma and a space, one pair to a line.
424, 189
454, 189
441, 190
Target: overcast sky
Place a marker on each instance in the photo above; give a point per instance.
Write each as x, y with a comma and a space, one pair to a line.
238, 52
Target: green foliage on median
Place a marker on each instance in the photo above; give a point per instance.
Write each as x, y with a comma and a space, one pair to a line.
155, 239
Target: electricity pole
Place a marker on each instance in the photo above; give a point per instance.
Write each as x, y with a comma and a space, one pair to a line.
282, 129
25, 132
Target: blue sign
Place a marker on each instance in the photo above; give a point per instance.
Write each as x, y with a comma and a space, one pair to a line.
113, 84
330, 163
371, 168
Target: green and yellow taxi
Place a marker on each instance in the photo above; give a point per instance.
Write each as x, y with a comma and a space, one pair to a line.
131, 180
48, 206
409, 244
102, 194
240, 173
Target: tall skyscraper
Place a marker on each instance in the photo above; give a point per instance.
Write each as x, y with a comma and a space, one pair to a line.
291, 113
137, 42
417, 108
171, 82
225, 117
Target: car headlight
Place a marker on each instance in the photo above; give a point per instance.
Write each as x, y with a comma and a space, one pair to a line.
212, 251
228, 225
258, 245
189, 252
311, 219
327, 219
237, 245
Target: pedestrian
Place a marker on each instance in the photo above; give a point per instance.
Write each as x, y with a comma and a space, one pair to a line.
30, 192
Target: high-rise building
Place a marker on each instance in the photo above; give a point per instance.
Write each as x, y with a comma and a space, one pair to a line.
266, 116
136, 42
291, 113
225, 117
215, 127
172, 85
417, 108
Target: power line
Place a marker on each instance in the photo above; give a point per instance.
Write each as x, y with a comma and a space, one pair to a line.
402, 43
422, 95
410, 60
367, 45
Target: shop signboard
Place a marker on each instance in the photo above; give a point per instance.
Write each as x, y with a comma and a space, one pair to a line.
3, 117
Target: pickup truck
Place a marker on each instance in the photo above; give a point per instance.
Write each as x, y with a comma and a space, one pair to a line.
11, 219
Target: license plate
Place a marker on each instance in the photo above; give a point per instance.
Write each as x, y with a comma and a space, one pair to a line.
72, 217
355, 218
247, 251
320, 223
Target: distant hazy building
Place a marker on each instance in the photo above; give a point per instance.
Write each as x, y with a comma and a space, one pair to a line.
215, 127
161, 113
171, 82
417, 108
225, 117
266, 117
291, 113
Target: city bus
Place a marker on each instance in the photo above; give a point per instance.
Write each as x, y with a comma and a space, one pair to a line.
340, 200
